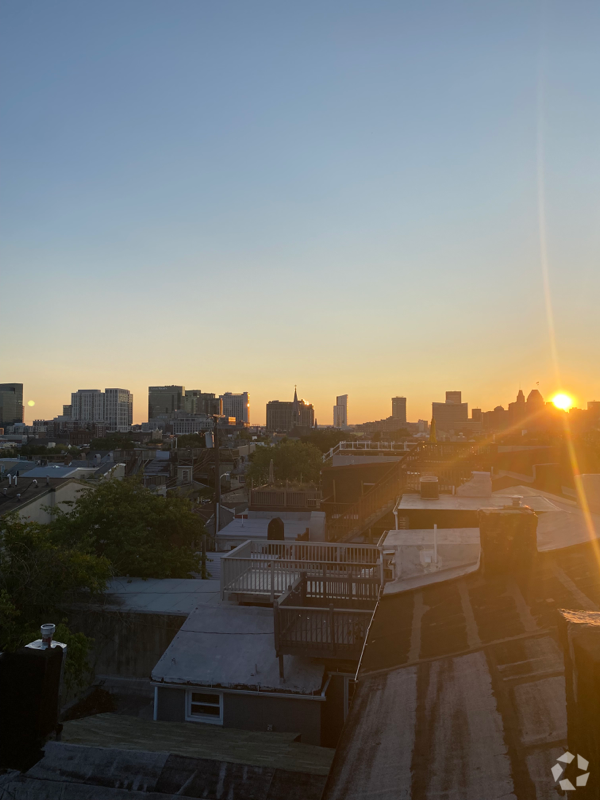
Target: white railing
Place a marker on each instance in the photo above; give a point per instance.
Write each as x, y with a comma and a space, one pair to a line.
365, 447
268, 569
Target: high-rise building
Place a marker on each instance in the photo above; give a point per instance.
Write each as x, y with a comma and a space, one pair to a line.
113, 408
285, 416
165, 401
279, 415
517, 411
399, 409
88, 405
449, 416
11, 403
340, 412
119, 409
199, 403
593, 408
236, 405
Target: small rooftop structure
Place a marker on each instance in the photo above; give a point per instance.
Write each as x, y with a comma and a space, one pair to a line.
244, 659
240, 530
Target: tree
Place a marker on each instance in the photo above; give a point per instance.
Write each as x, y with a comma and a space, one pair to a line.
142, 534
39, 579
191, 440
113, 441
292, 461
328, 438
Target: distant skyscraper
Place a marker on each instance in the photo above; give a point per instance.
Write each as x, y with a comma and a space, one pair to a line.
449, 416
454, 397
399, 409
593, 408
119, 409
199, 403
340, 412
165, 400
114, 407
11, 403
285, 416
237, 405
88, 405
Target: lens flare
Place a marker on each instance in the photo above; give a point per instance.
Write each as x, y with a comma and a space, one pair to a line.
562, 401
31, 403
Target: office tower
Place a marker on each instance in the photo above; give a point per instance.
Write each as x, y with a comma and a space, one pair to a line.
399, 409
476, 415
119, 409
279, 415
236, 405
452, 414
517, 411
593, 408
11, 403
67, 410
88, 405
284, 416
165, 401
340, 412
454, 397
198, 403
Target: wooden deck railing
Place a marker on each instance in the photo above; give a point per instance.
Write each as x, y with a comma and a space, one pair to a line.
305, 626
267, 569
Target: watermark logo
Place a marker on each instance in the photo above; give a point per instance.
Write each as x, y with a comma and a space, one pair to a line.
560, 766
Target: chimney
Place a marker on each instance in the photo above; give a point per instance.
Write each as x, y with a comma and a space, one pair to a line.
579, 634
430, 487
508, 538
10, 479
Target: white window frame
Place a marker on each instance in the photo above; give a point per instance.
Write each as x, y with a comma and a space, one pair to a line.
210, 718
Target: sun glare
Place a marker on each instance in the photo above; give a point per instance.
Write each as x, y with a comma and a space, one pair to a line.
562, 401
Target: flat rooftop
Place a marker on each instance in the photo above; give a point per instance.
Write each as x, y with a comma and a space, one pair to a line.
258, 748
462, 686
232, 647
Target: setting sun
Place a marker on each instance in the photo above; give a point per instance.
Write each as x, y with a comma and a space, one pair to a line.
562, 401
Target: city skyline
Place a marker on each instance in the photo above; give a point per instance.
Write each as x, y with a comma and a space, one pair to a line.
369, 409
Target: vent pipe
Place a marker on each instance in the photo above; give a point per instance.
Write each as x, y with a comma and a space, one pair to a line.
47, 634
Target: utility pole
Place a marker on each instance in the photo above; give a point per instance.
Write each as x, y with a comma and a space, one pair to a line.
217, 475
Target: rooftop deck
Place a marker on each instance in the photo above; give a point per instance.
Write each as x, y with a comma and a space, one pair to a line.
259, 570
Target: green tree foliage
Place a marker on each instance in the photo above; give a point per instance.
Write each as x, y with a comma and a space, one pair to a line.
114, 441
292, 461
39, 579
142, 534
191, 440
328, 438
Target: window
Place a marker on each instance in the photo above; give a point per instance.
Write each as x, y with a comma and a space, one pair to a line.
204, 706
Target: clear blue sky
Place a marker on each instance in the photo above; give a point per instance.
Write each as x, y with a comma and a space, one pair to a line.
343, 195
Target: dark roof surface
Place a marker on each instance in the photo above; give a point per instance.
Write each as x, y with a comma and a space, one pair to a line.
79, 772
461, 689
27, 490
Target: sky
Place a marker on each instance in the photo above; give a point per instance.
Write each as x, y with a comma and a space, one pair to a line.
374, 198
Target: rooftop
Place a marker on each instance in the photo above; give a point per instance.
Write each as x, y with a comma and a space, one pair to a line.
461, 684
27, 491
233, 647
244, 529
258, 748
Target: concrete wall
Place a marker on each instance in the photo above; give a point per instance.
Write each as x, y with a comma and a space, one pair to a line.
126, 644
252, 712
